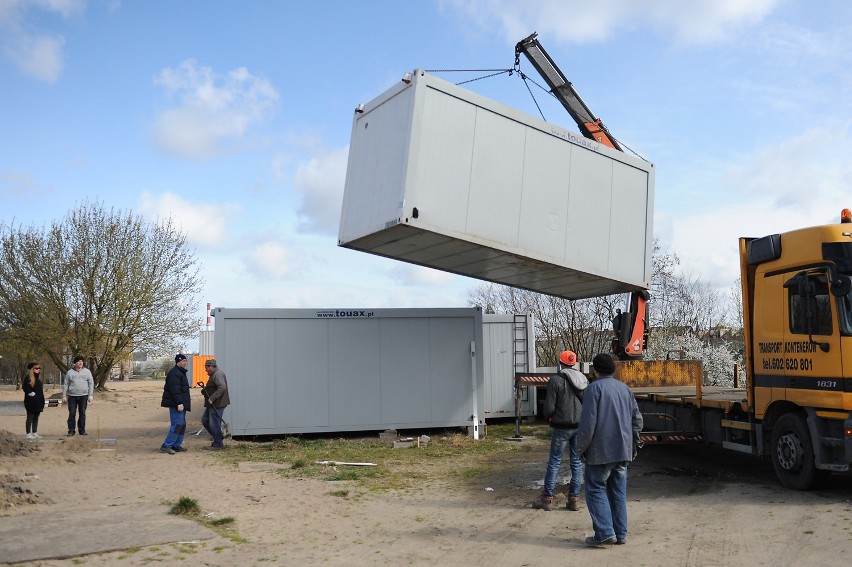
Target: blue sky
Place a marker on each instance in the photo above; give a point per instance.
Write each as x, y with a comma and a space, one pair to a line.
234, 118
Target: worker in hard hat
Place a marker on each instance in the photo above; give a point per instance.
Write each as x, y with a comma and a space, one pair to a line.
562, 409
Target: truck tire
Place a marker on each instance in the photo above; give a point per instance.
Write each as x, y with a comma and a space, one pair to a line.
793, 453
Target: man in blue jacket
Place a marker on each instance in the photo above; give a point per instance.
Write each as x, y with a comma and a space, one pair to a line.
608, 425
176, 398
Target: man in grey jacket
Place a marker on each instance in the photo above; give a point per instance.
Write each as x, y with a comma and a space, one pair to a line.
77, 391
608, 425
216, 399
562, 409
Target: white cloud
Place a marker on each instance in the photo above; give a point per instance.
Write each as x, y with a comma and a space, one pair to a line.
213, 110
696, 21
20, 184
802, 172
796, 183
320, 182
33, 51
272, 260
203, 224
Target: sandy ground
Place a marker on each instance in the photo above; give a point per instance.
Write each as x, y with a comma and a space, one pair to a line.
687, 505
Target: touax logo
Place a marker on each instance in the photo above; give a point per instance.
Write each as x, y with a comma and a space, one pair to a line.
336, 313
565, 135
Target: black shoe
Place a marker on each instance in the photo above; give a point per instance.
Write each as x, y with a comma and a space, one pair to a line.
214, 448
70, 434
167, 450
83, 433
592, 542
620, 541
179, 449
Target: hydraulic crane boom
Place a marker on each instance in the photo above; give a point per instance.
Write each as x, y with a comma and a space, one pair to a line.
589, 125
631, 326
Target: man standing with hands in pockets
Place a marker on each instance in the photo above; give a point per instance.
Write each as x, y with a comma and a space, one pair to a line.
77, 391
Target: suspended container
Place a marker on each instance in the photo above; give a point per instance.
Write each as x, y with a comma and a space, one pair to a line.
442, 177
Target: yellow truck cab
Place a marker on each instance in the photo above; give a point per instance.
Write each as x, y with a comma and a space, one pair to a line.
797, 311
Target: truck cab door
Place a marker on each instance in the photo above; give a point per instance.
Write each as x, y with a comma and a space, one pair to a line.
811, 349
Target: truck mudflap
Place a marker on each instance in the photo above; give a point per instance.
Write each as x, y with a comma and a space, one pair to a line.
832, 447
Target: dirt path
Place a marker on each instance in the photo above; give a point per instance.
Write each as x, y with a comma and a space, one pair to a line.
687, 506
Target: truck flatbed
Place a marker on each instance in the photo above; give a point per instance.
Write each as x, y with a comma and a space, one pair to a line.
705, 396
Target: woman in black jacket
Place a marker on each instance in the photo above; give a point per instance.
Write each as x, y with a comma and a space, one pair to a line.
33, 399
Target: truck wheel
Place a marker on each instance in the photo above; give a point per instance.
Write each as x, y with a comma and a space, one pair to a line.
793, 453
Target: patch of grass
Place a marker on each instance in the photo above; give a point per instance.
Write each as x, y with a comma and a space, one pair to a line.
470, 472
349, 474
185, 506
129, 552
186, 549
450, 456
339, 493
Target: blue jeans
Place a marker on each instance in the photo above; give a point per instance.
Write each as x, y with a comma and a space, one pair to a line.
75, 404
212, 422
177, 419
558, 440
606, 497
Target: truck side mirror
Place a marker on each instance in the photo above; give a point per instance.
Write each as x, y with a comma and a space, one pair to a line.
841, 285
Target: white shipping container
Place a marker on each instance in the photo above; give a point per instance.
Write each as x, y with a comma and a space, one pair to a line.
509, 347
442, 177
328, 370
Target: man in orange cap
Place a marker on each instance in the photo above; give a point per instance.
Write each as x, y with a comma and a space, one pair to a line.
562, 408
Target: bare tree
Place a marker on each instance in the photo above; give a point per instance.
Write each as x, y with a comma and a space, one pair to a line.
581, 325
15, 355
101, 283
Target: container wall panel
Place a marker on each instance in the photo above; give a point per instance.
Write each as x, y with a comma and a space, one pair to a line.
405, 371
303, 370
450, 358
353, 353
249, 351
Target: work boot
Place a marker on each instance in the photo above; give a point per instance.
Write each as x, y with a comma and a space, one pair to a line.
573, 503
546, 503
592, 542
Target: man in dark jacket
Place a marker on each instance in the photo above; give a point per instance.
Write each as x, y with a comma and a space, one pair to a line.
176, 398
609, 424
562, 408
216, 399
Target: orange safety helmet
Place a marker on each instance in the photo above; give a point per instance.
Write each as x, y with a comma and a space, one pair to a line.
568, 357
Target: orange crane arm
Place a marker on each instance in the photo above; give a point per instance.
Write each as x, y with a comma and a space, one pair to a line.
561, 88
